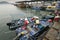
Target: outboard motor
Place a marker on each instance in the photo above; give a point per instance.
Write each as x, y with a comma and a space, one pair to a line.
10, 24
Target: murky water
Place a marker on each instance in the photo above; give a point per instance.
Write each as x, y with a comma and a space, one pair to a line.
9, 12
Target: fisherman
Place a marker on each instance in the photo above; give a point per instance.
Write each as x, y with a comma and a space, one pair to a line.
32, 19
20, 22
37, 20
26, 22
18, 30
57, 18
20, 35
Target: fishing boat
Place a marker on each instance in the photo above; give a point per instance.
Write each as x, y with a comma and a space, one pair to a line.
20, 22
35, 5
40, 29
32, 33
51, 7
30, 28
21, 5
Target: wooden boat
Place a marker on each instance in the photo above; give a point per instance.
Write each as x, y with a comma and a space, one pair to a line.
22, 5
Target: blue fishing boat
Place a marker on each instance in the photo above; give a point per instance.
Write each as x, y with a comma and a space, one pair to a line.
34, 31
20, 22
30, 27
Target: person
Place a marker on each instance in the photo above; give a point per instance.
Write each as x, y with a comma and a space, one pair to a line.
32, 19
37, 21
57, 18
26, 22
18, 30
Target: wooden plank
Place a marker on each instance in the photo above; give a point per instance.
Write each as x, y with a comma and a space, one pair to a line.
52, 34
